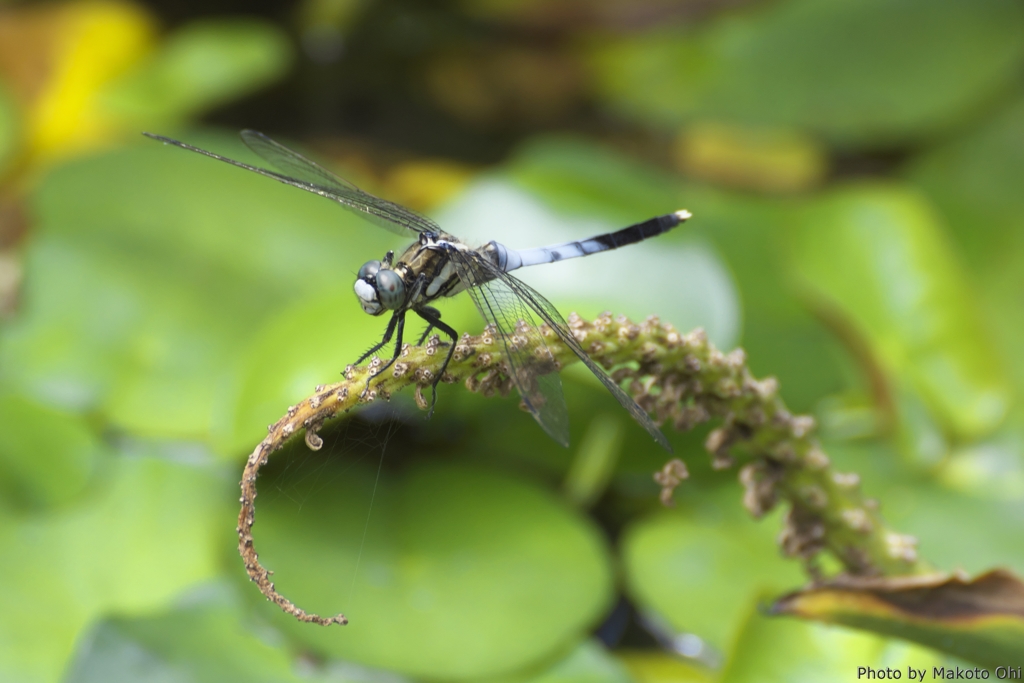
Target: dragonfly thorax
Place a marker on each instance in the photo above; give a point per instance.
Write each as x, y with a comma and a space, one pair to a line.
379, 288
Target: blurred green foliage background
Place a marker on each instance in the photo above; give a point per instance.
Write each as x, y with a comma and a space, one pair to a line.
855, 169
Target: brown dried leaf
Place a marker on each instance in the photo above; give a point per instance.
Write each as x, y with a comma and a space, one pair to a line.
979, 619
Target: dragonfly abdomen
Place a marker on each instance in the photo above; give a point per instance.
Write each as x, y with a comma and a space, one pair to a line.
511, 259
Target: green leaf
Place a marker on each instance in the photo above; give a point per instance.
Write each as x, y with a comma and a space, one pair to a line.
151, 533
594, 461
150, 269
789, 651
657, 666
862, 73
700, 572
456, 574
589, 662
207, 640
200, 66
47, 457
902, 293
956, 530
575, 175
974, 180
992, 469
108, 330
953, 529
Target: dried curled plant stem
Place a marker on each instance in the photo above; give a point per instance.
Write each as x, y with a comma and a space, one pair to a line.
257, 572
680, 379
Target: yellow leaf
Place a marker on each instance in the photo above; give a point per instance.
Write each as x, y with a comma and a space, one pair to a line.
427, 183
95, 42
762, 159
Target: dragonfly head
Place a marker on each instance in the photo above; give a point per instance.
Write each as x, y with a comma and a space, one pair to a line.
379, 289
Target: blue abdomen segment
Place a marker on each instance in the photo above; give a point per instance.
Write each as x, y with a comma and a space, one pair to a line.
511, 259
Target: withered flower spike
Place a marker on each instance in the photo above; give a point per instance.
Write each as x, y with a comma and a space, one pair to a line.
669, 477
680, 379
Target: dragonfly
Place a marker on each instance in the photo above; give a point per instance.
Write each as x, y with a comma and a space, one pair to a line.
438, 265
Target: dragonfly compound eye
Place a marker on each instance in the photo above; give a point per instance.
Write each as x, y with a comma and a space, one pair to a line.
369, 271
390, 289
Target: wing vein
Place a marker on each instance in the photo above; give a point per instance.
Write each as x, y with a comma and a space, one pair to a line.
550, 315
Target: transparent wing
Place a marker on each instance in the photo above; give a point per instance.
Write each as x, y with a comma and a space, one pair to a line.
380, 211
533, 373
302, 173
294, 164
527, 297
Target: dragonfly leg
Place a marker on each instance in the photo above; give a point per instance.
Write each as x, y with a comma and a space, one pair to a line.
400, 317
383, 342
430, 314
433, 317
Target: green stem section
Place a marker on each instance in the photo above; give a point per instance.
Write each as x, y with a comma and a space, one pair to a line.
680, 379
